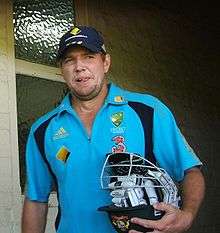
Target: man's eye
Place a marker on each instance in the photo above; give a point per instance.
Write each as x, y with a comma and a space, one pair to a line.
89, 56
67, 60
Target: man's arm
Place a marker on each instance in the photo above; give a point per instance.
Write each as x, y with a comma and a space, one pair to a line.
34, 217
193, 191
179, 220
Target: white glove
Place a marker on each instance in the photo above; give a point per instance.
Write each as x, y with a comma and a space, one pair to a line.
124, 197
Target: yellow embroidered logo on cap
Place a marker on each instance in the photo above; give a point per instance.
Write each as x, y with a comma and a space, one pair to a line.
63, 154
118, 99
75, 31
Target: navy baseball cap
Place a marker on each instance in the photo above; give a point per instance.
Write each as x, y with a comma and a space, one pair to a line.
84, 36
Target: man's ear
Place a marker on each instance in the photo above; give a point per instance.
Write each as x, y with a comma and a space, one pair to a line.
107, 63
59, 65
60, 69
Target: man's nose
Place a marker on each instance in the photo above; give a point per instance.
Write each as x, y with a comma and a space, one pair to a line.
79, 65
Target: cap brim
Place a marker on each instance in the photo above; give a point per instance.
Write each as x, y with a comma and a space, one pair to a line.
141, 211
115, 209
90, 47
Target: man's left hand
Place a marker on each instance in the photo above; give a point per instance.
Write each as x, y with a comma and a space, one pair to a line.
173, 221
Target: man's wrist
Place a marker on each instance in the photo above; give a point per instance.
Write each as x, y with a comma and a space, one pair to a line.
189, 217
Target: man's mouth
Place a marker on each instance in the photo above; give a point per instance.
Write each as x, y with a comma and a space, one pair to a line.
82, 79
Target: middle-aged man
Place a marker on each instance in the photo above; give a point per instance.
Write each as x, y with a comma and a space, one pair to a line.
68, 146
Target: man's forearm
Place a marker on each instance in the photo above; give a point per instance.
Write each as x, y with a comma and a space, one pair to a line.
193, 191
34, 217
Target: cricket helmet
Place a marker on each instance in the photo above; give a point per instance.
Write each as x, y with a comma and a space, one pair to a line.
135, 185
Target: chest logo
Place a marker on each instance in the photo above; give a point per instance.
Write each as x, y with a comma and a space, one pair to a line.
63, 154
119, 144
61, 133
117, 118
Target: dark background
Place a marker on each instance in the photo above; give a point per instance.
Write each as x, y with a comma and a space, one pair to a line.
171, 50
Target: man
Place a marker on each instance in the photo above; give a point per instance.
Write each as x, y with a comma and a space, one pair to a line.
68, 146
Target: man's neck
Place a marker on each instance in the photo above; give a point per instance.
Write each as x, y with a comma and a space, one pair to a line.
88, 106
87, 110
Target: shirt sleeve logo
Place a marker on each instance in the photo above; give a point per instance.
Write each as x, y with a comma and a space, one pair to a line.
189, 148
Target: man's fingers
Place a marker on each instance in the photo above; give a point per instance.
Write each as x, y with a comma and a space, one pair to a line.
133, 231
158, 225
164, 207
146, 223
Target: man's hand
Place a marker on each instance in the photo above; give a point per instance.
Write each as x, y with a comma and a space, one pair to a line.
174, 220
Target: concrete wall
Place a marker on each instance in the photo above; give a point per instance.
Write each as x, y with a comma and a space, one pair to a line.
170, 49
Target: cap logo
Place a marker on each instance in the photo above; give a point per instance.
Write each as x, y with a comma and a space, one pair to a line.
121, 223
75, 31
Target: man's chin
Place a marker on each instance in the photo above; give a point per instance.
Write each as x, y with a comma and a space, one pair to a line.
86, 94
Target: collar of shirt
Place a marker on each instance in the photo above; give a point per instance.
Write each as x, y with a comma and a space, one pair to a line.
116, 96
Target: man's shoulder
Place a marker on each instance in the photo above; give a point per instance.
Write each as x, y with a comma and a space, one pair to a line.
146, 99
44, 118
142, 98
149, 100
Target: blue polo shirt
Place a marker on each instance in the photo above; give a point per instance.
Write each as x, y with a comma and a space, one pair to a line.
60, 151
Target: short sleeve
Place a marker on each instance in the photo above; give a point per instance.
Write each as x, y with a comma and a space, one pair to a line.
170, 147
39, 179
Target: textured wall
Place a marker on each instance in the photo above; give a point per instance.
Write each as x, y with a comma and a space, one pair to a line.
10, 198
169, 49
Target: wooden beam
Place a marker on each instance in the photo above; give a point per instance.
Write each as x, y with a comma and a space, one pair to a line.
81, 12
37, 70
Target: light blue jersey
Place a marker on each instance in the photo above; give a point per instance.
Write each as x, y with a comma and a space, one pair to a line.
60, 151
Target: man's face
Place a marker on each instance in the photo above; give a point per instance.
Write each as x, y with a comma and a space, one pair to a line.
84, 72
